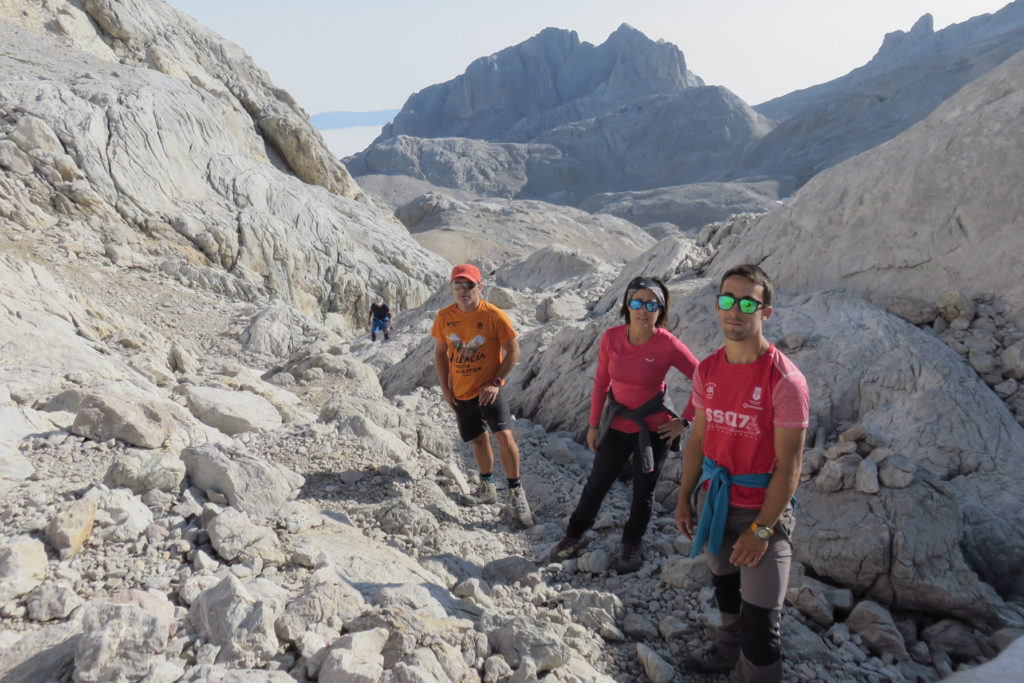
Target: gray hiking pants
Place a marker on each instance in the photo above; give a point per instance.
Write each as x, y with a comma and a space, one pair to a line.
751, 608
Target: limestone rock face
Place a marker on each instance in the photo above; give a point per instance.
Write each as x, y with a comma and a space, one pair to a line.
580, 144
81, 149
495, 169
956, 227
162, 38
687, 207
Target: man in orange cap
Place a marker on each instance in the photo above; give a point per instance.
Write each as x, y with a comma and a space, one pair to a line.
476, 350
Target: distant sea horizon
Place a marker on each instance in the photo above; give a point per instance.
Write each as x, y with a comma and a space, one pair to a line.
330, 120
345, 142
348, 132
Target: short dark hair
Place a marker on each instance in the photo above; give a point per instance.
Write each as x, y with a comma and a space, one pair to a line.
637, 283
754, 274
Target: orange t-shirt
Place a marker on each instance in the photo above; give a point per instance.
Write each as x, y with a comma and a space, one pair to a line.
474, 345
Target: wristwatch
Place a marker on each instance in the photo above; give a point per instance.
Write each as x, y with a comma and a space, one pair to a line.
762, 533
498, 382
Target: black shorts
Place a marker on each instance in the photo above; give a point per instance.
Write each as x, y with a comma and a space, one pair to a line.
473, 418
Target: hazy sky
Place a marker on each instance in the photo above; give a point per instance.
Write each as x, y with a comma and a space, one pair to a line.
360, 55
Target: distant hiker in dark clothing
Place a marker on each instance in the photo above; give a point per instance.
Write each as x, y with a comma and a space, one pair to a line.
379, 320
628, 414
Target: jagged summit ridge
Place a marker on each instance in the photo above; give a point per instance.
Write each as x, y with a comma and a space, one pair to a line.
545, 81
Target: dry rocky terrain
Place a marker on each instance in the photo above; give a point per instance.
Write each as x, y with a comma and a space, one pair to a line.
209, 472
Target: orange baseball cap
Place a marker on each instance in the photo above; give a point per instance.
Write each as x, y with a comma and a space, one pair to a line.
467, 271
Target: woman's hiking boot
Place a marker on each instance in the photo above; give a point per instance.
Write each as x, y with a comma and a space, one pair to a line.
566, 548
630, 558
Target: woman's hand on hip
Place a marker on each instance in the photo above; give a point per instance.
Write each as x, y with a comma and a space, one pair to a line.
673, 428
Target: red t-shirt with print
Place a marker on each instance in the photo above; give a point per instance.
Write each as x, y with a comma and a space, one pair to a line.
743, 404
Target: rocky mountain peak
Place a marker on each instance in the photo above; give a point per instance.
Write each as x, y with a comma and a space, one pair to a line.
642, 67
547, 80
897, 43
922, 41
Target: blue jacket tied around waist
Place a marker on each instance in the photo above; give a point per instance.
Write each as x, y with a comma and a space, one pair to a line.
716, 506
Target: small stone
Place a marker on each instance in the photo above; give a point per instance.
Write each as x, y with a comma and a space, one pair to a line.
867, 476
855, 433
1006, 389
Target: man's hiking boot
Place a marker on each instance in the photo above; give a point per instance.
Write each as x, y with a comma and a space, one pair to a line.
373, 336
630, 559
566, 548
518, 508
483, 494
710, 661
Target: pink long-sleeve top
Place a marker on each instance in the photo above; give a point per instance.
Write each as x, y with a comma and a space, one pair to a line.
636, 374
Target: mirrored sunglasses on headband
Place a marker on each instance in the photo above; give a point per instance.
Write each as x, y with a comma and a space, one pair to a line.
747, 304
651, 306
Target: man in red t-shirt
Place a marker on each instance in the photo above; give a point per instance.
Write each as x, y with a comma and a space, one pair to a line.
744, 451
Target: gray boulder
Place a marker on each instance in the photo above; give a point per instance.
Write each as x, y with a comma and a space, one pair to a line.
141, 472
326, 597
120, 516
232, 412
144, 424
118, 642
251, 485
236, 538
519, 638
229, 616
71, 526
875, 625
22, 566
52, 601
355, 657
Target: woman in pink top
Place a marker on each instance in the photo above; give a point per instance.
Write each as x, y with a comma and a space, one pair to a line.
628, 416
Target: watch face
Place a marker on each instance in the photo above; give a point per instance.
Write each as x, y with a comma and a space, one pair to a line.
762, 533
